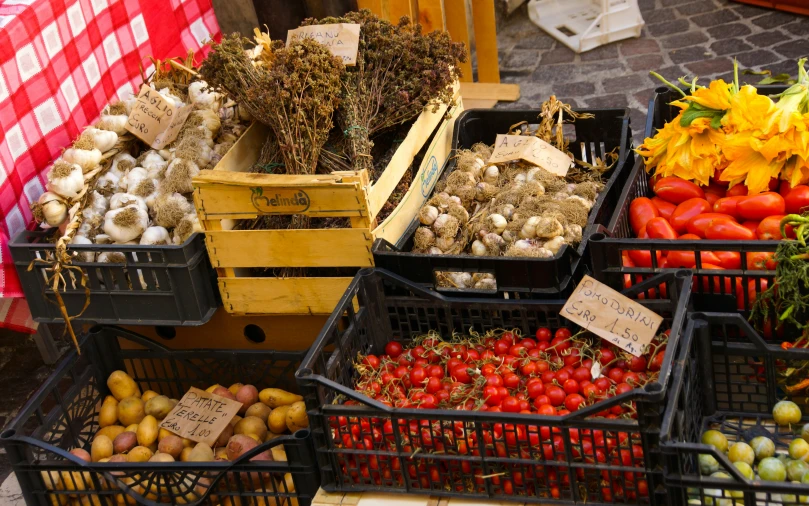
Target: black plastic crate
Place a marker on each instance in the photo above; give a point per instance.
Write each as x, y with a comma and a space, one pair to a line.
157, 285
381, 306
728, 377
63, 415
545, 278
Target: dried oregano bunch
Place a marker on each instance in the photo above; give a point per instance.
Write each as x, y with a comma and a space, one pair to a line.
296, 96
399, 72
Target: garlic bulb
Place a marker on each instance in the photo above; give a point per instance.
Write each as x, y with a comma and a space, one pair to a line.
523, 244
121, 164
108, 182
509, 236
103, 239
178, 176
460, 279
104, 140
428, 215
454, 199
154, 164
496, 223
519, 179
573, 233
479, 249
111, 258
445, 243
244, 114
187, 226
446, 225
66, 179
486, 284
423, 238
494, 243
548, 227
87, 159
113, 122
570, 187
581, 200
53, 209
491, 174
507, 211
532, 174
167, 154
98, 203
154, 236
84, 256
132, 179
202, 97
120, 200
125, 224
129, 104
147, 190
554, 244
529, 228
434, 251
171, 97
209, 120
169, 210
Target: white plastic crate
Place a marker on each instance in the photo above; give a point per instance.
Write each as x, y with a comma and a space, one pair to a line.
583, 25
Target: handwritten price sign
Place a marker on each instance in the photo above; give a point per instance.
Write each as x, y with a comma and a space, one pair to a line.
533, 150
612, 316
342, 39
156, 120
200, 416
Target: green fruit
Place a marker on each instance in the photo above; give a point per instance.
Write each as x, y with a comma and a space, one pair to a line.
763, 446
772, 469
786, 413
805, 479
796, 469
799, 449
707, 464
805, 432
745, 469
715, 438
742, 452
727, 493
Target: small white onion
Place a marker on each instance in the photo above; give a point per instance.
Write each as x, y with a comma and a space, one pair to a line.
491, 174
434, 251
497, 223
529, 228
479, 249
555, 244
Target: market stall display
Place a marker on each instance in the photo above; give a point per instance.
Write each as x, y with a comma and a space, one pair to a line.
380, 434
268, 211
91, 434
509, 199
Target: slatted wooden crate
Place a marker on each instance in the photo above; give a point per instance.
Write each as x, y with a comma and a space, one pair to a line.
229, 193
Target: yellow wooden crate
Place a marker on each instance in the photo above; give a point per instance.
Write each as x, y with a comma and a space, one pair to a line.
229, 193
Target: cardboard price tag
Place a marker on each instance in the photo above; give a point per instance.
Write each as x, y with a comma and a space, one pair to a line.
201, 416
342, 39
532, 149
155, 120
612, 316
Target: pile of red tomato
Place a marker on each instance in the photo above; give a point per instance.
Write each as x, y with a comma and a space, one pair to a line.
500, 372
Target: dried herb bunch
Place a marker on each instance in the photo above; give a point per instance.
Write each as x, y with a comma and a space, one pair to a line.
296, 96
399, 71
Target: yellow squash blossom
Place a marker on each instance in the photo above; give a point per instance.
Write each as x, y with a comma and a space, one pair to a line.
748, 110
716, 96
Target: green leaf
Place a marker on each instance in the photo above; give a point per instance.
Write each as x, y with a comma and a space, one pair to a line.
716, 122
780, 78
757, 73
695, 111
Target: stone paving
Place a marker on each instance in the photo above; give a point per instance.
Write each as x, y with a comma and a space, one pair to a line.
681, 38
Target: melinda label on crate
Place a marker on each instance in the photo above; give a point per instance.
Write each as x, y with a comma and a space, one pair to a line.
201, 416
612, 316
342, 39
156, 120
508, 148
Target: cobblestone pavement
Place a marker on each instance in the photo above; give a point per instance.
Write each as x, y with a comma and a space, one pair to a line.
681, 37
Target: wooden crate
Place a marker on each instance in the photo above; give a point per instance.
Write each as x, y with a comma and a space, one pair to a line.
230, 193
324, 498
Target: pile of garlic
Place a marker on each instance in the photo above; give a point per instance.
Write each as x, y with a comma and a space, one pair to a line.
513, 209
144, 200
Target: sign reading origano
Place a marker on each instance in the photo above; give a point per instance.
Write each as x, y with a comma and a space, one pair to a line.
280, 201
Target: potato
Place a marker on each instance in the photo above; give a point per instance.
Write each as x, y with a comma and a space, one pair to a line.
201, 453
139, 454
147, 431
108, 415
224, 392
163, 433
76, 481
122, 385
224, 436
125, 442
82, 454
251, 425
271, 435
161, 457
172, 445
118, 458
188, 443
277, 421
111, 431
101, 448
247, 395
91, 500
132, 428
153, 447
211, 388
239, 444
278, 453
51, 480
148, 394
235, 420
185, 453
253, 436
274, 397
131, 410
221, 453
234, 388
158, 406
260, 410
296, 417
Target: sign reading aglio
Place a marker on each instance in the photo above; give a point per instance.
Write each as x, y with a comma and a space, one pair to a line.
155, 119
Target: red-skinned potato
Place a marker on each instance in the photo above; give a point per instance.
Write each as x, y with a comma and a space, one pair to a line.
729, 230
677, 190
247, 395
797, 200
223, 392
641, 210
701, 222
728, 206
758, 207
686, 211
664, 208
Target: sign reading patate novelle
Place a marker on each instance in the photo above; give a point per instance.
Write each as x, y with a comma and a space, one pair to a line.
201, 416
156, 120
342, 39
612, 316
508, 148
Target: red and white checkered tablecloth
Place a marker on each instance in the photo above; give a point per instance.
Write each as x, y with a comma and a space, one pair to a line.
61, 63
